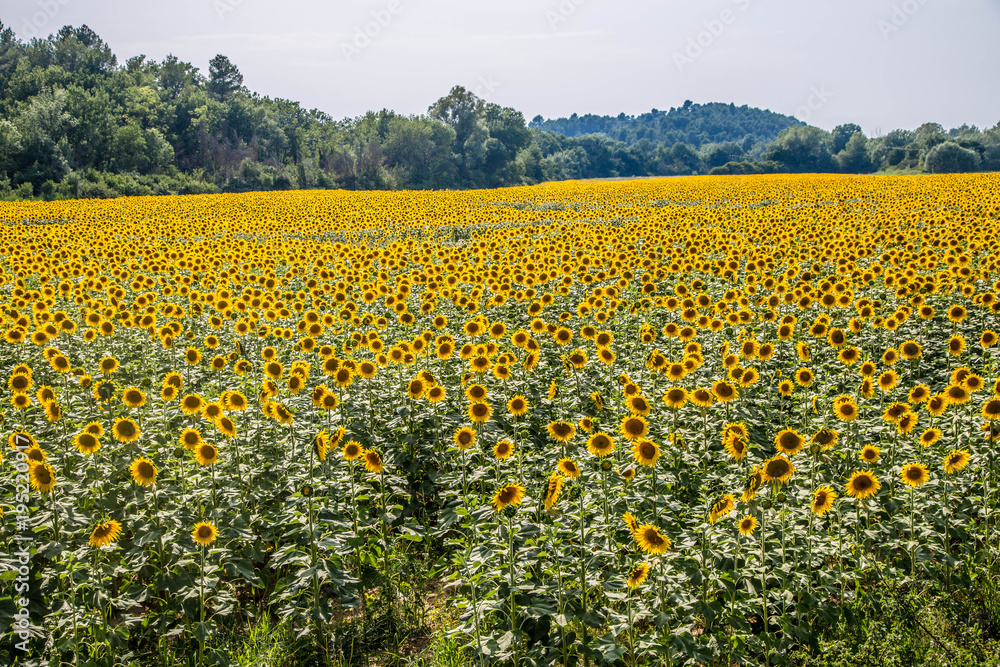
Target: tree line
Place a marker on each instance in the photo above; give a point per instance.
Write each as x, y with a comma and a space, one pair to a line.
75, 122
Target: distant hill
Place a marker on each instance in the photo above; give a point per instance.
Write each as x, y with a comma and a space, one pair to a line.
693, 124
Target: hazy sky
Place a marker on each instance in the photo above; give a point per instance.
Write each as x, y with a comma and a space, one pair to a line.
881, 63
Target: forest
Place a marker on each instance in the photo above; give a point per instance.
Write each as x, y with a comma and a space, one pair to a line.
75, 122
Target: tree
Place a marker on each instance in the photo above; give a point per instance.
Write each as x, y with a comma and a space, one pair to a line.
841, 135
854, 159
802, 148
224, 78
950, 158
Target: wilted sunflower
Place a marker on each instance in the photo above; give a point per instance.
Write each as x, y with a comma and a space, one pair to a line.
105, 533
822, 500
204, 533
956, 460
914, 474
862, 485
206, 454
42, 477
373, 462
600, 444
651, 540
512, 494
777, 470
747, 525
637, 575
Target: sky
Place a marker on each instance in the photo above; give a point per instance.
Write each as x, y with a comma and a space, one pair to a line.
883, 64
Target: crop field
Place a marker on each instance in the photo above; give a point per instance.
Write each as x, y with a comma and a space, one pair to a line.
654, 422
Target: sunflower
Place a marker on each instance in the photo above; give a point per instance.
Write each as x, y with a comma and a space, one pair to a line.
600, 444
561, 431
675, 397
991, 409
930, 436
464, 438
517, 406
20, 400
637, 575
86, 442
911, 350
957, 394
552, 489
125, 430
630, 523
724, 391
822, 500
206, 454
826, 438
777, 470
736, 444
937, 404
503, 449
722, 508
703, 398
894, 412
888, 380
634, 427
568, 468
373, 462
786, 387
862, 485
512, 495
846, 409
747, 525
42, 477
956, 460
192, 404
870, 454
914, 474
204, 533
919, 394
109, 365
480, 412
789, 442
646, 452
638, 405
36, 455
105, 533
651, 540
143, 471
956, 344
988, 338
957, 313
804, 377
190, 438
849, 355
353, 450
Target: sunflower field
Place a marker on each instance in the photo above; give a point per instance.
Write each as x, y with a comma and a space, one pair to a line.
657, 422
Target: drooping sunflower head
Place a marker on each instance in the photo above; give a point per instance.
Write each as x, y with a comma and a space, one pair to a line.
552, 489
822, 500
722, 507
105, 533
956, 460
651, 540
42, 477
373, 462
637, 575
510, 495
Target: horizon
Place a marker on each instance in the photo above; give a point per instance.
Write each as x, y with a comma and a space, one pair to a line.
728, 51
